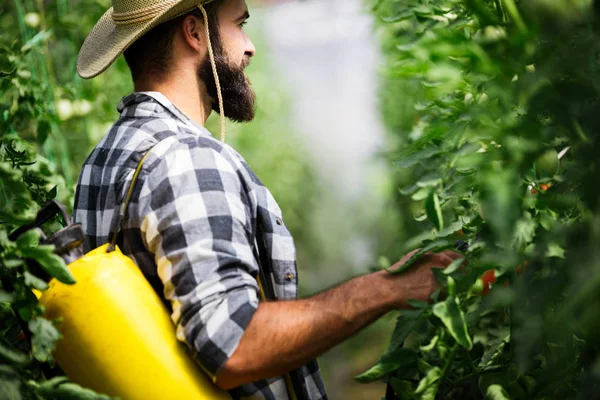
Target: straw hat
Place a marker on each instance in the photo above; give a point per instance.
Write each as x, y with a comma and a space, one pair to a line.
123, 24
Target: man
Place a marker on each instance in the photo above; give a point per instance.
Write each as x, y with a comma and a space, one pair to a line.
206, 233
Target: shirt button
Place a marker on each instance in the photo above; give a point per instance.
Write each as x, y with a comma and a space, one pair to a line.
289, 276
279, 221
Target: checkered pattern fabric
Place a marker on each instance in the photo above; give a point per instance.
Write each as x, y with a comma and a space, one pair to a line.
197, 216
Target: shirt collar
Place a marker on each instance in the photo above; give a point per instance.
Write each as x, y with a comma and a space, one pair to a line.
139, 104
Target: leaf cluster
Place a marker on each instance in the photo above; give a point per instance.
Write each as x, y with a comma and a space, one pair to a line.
28, 180
491, 105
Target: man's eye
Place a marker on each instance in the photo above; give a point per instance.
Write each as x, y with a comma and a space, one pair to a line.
243, 24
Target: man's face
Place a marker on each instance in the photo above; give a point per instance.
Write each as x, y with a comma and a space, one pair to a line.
232, 51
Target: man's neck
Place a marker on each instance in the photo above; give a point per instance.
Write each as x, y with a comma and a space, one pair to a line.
190, 99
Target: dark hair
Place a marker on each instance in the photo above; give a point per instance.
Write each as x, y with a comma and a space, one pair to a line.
151, 54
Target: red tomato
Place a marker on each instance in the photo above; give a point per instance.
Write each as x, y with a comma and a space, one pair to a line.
488, 278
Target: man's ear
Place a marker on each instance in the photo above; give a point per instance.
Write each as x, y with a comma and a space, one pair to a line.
193, 30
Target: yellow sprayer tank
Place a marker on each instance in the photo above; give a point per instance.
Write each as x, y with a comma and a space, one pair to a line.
118, 338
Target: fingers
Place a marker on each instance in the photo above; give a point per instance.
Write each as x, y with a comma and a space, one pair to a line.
439, 260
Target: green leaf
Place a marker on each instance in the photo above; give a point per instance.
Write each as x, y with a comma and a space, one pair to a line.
451, 315
421, 217
430, 180
26, 313
52, 193
6, 297
13, 219
403, 389
13, 356
383, 262
43, 339
434, 246
500, 204
454, 266
6, 65
408, 190
449, 230
406, 322
15, 263
440, 276
429, 347
494, 348
432, 376
58, 388
34, 282
547, 219
434, 210
388, 363
420, 194
50, 262
417, 157
10, 383
37, 40
53, 382
42, 131
31, 238
554, 250
496, 392
418, 304
401, 16
451, 286
431, 392
524, 231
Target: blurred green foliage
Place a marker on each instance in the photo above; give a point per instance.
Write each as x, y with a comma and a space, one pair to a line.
34, 168
482, 98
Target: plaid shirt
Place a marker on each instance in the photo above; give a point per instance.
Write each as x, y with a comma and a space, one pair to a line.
196, 213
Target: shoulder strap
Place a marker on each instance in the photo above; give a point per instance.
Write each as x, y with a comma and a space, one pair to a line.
123, 211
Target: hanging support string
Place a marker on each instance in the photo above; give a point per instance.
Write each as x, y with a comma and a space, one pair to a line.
211, 56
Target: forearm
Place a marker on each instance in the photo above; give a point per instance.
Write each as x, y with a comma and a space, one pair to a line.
284, 335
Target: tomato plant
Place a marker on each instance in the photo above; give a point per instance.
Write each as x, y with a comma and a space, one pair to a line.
491, 105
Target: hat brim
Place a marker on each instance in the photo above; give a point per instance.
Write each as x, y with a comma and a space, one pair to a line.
107, 40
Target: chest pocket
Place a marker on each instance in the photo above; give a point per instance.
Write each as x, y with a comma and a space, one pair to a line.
276, 248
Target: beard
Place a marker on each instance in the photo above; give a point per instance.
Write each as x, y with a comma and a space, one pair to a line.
238, 96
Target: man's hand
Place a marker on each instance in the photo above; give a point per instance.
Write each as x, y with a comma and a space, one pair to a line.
418, 281
287, 334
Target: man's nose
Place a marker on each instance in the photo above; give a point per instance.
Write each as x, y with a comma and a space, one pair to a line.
250, 49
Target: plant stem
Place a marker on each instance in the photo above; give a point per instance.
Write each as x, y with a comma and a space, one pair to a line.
499, 10
48, 75
449, 361
21, 21
376, 6
512, 9
580, 131
478, 373
4, 192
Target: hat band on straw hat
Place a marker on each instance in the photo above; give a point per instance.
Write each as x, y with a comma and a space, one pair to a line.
141, 15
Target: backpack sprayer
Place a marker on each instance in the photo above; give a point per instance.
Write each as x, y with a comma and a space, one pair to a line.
118, 337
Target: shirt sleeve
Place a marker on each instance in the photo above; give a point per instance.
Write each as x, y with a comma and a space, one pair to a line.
196, 222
